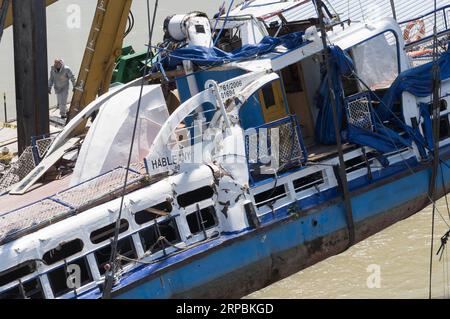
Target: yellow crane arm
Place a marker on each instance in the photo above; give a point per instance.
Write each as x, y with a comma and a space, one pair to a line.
9, 16
103, 47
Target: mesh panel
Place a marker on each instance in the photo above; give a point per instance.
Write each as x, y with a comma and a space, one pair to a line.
97, 188
358, 112
62, 205
19, 169
138, 167
8, 178
25, 164
33, 216
289, 149
43, 145
275, 140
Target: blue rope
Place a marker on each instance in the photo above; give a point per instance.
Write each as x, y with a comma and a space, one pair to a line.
224, 23
217, 18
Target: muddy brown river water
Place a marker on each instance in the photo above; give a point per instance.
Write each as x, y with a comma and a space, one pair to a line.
393, 263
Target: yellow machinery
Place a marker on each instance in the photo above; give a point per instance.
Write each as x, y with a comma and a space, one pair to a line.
103, 47
9, 17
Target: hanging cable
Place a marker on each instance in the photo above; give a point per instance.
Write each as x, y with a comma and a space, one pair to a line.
221, 10
436, 158
130, 24
109, 276
441, 251
224, 23
432, 201
341, 173
436, 122
155, 10
362, 11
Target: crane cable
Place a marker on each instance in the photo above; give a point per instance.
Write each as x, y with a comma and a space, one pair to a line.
130, 24
436, 116
340, 172
110, 274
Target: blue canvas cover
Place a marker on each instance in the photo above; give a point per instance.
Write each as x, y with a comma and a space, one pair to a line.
214, 57
341, 64
382, 138
417, 81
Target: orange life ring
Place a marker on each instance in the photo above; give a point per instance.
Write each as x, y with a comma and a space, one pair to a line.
418, 34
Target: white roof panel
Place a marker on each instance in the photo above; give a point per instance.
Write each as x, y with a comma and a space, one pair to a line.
356, 10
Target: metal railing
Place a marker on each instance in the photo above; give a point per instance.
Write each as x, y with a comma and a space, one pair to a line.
359, 110
66, 203
442, 26
274, 147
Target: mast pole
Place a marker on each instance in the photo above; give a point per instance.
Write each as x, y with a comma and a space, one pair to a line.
394, 12
341, 168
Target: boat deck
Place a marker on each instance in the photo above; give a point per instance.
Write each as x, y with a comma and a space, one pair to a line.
321, 152
54, 207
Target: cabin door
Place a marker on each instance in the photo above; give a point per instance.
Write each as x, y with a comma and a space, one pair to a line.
271, 100
297, 98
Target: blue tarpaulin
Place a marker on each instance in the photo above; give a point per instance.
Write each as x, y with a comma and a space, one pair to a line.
341, 64
213, 56
417, 81
382, 138
386, 140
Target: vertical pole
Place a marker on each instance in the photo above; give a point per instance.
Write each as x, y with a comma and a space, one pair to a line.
4, 105
340, 170
436, 114
394, 12
30, 64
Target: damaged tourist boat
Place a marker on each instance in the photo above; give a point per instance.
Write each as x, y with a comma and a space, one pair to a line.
237, 176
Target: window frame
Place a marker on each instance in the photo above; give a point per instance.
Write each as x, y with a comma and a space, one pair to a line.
397, 46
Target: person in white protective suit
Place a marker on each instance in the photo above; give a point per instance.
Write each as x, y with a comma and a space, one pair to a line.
60, 75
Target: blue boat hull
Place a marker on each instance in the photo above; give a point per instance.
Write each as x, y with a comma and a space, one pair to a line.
235, 265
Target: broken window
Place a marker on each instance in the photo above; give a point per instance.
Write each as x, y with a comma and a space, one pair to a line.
125, 247
31, 289
271, 195
195, 196
17, 272
107, 232
202, 220
311, 180
166, 229
376, 60
79, 273
358, 162
63, 251
144, 216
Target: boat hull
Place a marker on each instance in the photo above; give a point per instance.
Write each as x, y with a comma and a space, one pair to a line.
249, 261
